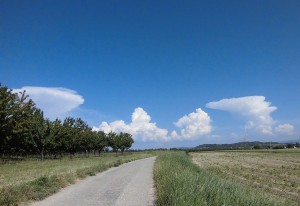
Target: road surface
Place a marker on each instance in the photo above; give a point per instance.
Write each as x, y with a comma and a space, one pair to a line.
129, 184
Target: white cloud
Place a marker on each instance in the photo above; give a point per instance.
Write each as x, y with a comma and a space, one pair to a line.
55, 102
193, 125
257, 112
254, 109
140, 127
286, 129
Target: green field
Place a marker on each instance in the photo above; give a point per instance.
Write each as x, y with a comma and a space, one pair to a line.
29, 180
179, 181
276, 172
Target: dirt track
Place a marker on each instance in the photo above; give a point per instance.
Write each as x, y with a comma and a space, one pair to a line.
129, 184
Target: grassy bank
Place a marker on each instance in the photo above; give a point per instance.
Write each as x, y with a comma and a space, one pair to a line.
179, 182
30, 180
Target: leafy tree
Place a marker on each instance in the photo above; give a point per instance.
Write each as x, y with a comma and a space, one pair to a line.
40, 133
8, 107
70, 142
125, 141
120, 141
15, 113
56, 136
279, 146
87, 140
82, 135
73, 134
113, 141
24, 130
257, 146
101, 141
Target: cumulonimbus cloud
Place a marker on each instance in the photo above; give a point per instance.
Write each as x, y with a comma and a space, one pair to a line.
255, 109
140, 127
54, 101
192, 126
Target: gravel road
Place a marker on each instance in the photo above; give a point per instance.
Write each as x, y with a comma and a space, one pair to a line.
129, 184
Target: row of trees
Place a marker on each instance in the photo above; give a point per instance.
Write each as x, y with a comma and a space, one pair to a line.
25, 131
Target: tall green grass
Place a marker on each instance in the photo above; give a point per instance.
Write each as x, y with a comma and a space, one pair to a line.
48, 177
179, 182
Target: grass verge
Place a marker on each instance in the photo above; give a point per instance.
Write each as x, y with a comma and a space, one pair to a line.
48, 177
179, 182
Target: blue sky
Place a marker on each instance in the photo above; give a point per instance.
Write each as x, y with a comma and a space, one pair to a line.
203, 71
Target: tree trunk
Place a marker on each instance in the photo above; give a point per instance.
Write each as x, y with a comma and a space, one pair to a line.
42, 154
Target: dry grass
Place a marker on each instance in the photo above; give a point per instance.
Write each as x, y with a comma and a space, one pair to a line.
180, 182
15, 173
273, 171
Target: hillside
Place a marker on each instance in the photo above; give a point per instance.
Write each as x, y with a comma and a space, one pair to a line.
239, 145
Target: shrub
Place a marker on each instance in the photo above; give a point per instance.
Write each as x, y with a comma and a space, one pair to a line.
280, 146
257, 146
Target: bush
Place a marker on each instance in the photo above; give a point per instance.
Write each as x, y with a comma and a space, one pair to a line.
280, 146
257, 146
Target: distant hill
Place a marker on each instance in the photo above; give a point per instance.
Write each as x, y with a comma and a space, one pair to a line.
239, 145
291, 141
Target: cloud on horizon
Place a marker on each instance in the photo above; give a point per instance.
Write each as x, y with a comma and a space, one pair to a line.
59, 102
140, 127
54, 101
286, 129
255, 110
192, 126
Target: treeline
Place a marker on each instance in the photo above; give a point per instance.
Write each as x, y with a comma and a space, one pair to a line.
245, 145
25, 131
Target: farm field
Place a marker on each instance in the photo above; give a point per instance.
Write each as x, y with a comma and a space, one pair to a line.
34, 179
178, 181
276, 172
